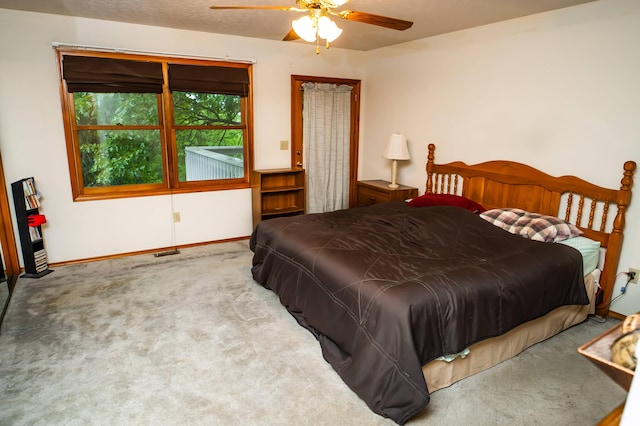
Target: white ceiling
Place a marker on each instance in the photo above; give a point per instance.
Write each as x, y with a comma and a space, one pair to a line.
430, 17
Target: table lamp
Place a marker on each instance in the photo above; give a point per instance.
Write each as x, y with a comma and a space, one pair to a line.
396, 150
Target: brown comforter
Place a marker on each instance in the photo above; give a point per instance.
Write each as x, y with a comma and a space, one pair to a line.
388, 288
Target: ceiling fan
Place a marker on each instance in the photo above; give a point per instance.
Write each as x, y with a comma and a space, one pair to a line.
316, 23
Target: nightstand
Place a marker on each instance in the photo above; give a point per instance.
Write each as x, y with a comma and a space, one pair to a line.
378, 191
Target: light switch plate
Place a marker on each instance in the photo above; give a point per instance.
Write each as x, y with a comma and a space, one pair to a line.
284, 145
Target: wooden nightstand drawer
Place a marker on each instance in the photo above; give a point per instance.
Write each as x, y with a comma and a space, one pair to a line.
368, 196
378, 191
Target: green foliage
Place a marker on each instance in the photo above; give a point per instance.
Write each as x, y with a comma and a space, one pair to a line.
126, 109
120, 157
128, 156
206, 109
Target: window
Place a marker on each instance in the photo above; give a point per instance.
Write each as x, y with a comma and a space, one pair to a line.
140, 125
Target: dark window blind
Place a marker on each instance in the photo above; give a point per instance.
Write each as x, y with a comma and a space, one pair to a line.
209, 79
108, 75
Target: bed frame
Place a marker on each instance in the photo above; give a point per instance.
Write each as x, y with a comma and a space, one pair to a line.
496, 184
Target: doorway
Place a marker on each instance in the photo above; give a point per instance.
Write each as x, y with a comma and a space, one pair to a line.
8, 247
297, 146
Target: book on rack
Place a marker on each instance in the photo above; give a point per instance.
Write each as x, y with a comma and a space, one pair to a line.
29, 186
34, 233
41, 261
30, 194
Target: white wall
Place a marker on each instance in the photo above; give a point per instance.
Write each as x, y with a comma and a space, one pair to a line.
32, 137
559, 91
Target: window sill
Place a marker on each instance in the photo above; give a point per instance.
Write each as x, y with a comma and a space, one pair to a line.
133, 194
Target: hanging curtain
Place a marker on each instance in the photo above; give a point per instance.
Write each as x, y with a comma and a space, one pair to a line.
326, 142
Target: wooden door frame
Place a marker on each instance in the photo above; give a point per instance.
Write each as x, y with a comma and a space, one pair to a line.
296, 125
7, 237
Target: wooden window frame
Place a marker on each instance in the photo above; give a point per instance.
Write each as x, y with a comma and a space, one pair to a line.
171, 183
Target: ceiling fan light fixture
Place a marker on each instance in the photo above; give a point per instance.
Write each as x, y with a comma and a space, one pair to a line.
317, 24
306, 28
332, 4
327, 29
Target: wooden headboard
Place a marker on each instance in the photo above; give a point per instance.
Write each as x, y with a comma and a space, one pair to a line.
497, 184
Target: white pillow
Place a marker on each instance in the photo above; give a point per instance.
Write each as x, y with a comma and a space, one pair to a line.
589, 249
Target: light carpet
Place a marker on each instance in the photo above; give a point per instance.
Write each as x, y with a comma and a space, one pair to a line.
191, 339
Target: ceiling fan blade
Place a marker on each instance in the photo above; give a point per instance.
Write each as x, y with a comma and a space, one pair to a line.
287, 8
291, 35
379, 20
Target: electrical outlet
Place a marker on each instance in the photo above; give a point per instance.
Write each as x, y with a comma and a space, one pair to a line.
635, 273
176, 217
284, 145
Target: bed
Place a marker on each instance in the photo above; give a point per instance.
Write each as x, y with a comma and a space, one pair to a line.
389, 290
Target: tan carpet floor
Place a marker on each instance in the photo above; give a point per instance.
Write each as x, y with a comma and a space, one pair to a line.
191, 339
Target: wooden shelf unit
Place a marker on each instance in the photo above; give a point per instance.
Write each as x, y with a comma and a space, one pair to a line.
277, 193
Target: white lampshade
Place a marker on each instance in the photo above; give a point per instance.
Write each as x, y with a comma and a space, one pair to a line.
327, 29
397, 148
305, 27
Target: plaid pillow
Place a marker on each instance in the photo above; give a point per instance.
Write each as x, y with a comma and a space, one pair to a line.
544, 228
534, 226
504, 218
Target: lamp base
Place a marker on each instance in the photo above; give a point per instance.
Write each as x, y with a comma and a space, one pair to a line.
394, 175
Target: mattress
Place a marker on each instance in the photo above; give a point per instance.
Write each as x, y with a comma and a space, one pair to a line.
440, 374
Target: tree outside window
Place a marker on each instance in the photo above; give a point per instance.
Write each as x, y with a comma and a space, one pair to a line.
132, 130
